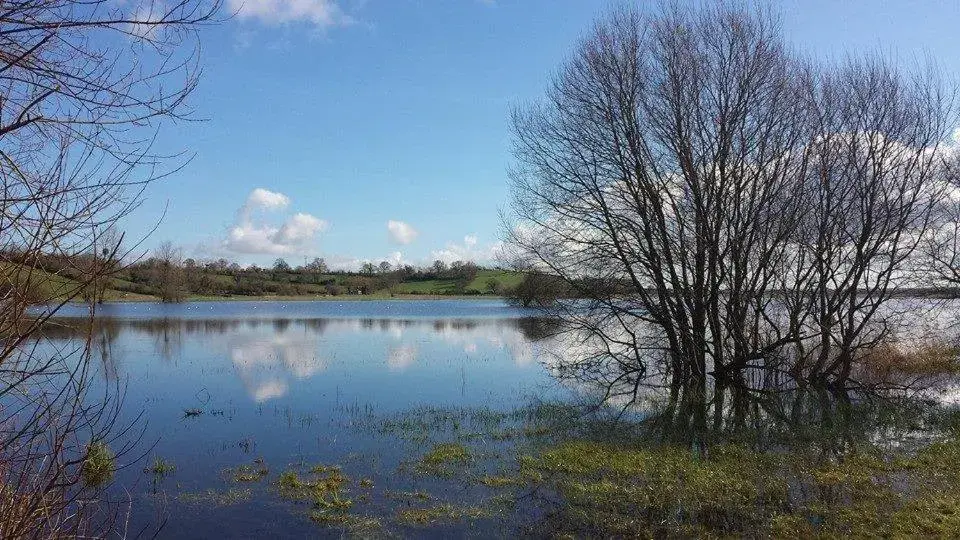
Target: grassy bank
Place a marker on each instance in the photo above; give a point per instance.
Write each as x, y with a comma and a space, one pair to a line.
126, 286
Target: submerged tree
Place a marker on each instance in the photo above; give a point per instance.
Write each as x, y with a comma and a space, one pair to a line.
83, 88
719, 203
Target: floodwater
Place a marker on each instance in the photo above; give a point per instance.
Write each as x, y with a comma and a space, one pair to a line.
367, 386
413, 419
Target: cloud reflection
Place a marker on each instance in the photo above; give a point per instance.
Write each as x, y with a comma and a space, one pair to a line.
402, 357
270, 355
265, 362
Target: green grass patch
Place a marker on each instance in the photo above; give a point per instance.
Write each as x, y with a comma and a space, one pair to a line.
325, 488
612, 490
160, 467
440, 513
98, 466
444, 459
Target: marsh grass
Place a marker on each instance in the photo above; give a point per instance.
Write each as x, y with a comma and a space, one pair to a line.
440, 513
566, 475
498, 481
216, 498
325, 487
250, 473
160, 467
445, 460
98, 465
354, 525
611, 490
888, 364
409, 496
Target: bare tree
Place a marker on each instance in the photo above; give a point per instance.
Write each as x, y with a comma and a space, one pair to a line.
317, 266
675, 179
168, 277
940, 258
875, 177
83, 88
661, 162
100, 263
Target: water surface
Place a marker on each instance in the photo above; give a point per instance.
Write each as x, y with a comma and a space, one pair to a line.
221, 385
238, 396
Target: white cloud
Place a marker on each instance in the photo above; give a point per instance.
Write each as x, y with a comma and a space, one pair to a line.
320, 13
395, 259
299, 229
264, 198
253, 234
400, 232
956, 136
469, 250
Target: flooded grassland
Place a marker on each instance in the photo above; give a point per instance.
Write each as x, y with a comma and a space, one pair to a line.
446, 419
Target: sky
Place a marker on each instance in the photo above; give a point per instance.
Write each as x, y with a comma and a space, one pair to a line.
369, 130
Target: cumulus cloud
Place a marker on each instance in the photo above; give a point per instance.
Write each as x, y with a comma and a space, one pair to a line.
401, 232
253, 234
469, 250
266, 199
319, 13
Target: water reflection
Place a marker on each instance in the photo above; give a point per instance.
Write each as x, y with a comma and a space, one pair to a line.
264, 362
269, 355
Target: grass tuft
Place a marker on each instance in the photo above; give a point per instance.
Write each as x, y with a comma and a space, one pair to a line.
98, 466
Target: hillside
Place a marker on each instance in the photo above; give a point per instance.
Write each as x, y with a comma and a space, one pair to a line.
53, 277
211, 284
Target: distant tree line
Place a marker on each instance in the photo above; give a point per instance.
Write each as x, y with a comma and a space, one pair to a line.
167, 274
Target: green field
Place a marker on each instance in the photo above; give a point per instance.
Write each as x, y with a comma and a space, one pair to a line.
480, 285
49, 286
125, 286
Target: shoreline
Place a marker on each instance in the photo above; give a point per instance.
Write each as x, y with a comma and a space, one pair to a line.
306, 298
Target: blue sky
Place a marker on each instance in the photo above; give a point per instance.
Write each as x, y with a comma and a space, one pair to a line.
329, 119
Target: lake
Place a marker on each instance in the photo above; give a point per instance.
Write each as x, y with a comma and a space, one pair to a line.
225, 386
472, 418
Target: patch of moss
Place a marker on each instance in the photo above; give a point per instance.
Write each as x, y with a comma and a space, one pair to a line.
98, 465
